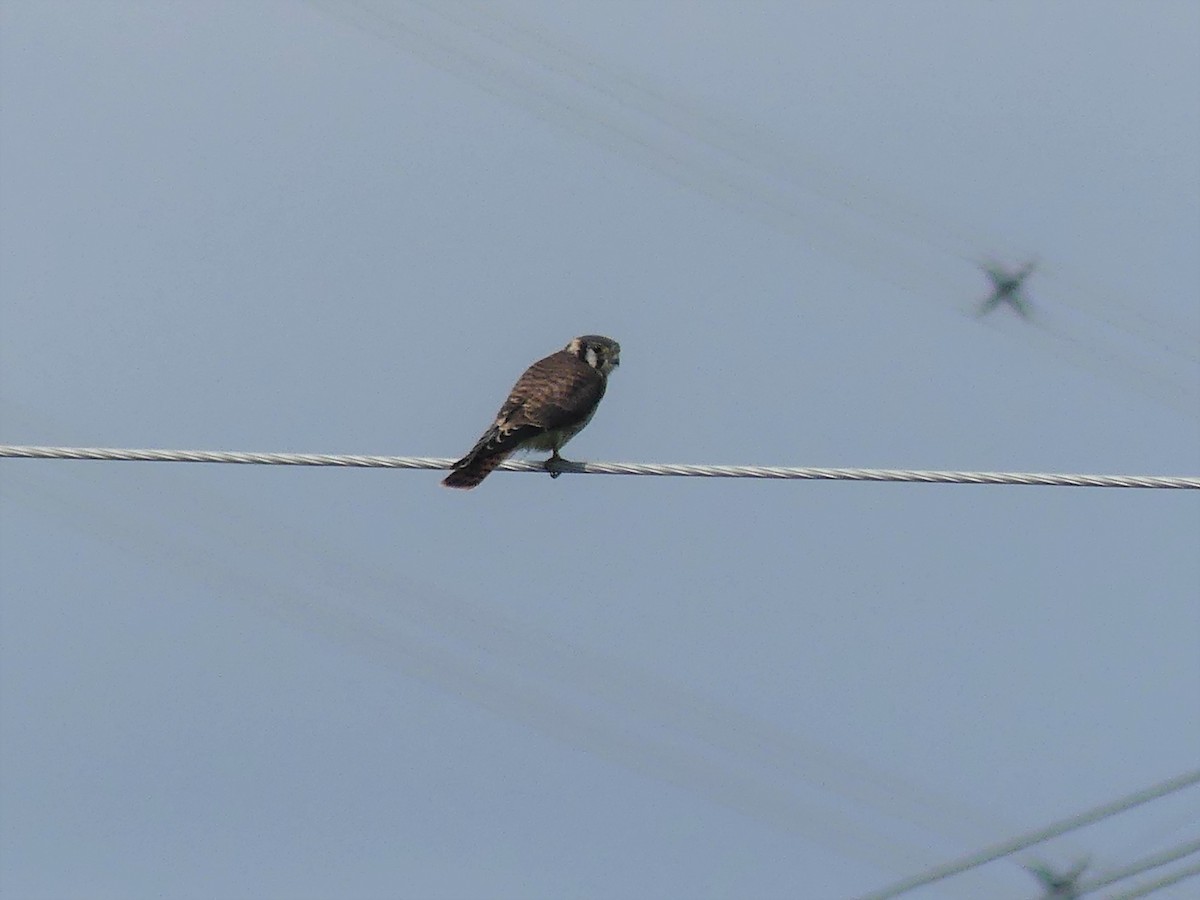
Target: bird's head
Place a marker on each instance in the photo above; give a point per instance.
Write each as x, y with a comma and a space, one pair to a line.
601, 353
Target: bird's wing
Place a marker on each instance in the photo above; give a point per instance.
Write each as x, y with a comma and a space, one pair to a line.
554, 392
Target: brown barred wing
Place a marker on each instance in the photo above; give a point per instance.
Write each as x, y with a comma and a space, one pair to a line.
555, 394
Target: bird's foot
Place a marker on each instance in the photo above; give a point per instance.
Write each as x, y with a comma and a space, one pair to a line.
553, 464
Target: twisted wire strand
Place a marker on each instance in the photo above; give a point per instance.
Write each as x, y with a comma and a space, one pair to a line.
608, 468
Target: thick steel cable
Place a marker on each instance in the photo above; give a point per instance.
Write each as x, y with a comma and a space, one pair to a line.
608, 468
1007, 848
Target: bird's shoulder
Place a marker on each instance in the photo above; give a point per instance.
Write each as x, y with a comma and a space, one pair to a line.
559, 386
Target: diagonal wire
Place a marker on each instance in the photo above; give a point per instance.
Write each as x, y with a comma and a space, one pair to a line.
1158, 884
759, 176
608, 468
1138, 867
517, 671
997, 851
1142, 865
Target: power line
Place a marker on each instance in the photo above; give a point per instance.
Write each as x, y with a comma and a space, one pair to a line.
797, 761
516, 670
743, 168
606, 468
987, 855
1138, 867
1166, 881
1142, 865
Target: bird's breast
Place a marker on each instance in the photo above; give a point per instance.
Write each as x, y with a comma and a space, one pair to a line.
555, 438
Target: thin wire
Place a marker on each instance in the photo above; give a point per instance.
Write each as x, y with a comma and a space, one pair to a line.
515, 670
606, 468
760, 177
1007, 848
1166, 881
1142, 865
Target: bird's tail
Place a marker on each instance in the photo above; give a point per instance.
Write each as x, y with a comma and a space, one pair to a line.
473, 468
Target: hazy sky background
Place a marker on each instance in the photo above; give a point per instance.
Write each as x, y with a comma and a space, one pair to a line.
347, 227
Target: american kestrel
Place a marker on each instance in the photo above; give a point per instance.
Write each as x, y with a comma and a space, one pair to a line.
549, 405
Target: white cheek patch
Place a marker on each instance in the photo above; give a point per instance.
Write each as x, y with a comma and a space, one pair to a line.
592, 359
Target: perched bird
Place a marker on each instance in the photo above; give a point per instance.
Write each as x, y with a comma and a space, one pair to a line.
549, 405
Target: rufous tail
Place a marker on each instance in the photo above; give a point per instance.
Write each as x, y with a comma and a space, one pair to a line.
470, 471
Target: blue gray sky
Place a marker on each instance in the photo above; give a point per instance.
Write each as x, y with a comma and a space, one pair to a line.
348, 226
